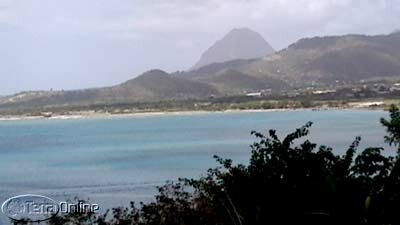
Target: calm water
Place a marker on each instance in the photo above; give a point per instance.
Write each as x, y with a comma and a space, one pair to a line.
114, 160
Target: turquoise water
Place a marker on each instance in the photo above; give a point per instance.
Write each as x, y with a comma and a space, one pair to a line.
115, 160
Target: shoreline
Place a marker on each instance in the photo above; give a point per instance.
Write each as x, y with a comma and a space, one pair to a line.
96, 115
370, 106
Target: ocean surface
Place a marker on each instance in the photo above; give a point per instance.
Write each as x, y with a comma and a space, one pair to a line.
118, 159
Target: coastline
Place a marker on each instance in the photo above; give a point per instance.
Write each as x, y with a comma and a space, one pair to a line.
71, 115
95, 115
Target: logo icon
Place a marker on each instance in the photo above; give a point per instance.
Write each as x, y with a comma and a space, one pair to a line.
33, 208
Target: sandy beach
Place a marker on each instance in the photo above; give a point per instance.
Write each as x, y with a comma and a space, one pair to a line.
371, 105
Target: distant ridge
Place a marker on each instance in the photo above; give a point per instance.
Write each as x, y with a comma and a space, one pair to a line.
239, 43
333, 60
310, 62
157, 84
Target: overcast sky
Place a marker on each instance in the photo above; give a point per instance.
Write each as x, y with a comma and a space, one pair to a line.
74, 44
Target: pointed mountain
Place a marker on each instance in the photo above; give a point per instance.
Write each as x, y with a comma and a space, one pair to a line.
240, 43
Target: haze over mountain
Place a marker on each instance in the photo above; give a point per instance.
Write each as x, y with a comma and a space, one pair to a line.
317, 62
240, 43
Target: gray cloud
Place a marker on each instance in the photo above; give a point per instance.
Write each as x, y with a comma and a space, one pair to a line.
75, 44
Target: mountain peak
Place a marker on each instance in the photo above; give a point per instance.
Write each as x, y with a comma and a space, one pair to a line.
150, 74
241, 30
239, 43
155, 72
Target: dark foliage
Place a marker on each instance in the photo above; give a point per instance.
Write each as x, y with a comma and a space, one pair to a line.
392, 126
282, 184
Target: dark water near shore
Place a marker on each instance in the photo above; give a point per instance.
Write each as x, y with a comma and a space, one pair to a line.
115, 160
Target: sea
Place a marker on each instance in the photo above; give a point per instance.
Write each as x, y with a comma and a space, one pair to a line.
114, 160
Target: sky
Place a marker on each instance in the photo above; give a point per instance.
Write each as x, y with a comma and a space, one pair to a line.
73, 44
